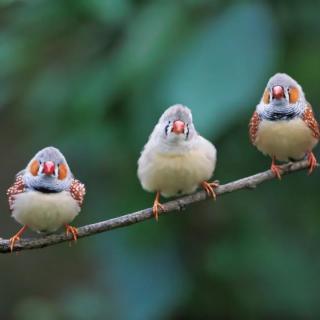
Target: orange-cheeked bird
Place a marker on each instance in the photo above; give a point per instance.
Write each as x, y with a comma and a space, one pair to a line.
283, 125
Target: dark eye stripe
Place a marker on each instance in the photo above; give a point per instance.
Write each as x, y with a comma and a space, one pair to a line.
167, 128
187, 134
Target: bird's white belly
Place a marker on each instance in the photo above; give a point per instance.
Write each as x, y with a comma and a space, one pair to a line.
176, 174
285, 139
45, 212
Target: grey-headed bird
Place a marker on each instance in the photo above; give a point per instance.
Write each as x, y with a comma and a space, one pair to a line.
176, 160
283, 125
45, 196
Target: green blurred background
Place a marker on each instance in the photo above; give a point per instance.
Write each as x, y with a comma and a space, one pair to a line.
92, 78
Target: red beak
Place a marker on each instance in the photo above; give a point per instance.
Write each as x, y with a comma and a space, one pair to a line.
278, 92
48, 168
178, 127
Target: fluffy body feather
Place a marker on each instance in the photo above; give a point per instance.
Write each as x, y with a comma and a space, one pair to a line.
44, 212
175, 164
174, 173
285, 139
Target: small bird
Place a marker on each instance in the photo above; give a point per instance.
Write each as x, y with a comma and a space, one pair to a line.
283, 125
176, 160
45, 196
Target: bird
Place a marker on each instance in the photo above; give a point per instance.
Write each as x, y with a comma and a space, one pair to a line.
45, 196
283, 125
176, 160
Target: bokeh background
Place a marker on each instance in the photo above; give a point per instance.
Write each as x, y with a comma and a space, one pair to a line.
92, 78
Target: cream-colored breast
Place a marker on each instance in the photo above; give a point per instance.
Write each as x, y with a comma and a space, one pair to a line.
285, 139
173, 174
44, 212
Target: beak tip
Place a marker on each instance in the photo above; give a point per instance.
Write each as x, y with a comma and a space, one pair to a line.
48, 168
178, 127
278, 92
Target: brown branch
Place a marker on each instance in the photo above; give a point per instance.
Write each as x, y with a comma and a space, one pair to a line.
138, 216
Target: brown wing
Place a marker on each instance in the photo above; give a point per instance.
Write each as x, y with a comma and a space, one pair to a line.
16, 188
310, 120
78, 191
253, 127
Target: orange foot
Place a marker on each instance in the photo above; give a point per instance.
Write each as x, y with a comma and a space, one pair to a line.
209, 188
275, 169
312, 162
73, 231
16, 237
156, 206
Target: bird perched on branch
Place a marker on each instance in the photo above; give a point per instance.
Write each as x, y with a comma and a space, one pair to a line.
283, 125
45, 196
176, 159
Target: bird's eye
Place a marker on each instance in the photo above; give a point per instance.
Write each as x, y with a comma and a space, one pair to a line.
62, 171
34, 167
293, 94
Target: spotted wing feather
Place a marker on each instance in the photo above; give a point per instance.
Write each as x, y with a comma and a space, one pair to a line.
253, 127
16, 188
310, 120
78, 191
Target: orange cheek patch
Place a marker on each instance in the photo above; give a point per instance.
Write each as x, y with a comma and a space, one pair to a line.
62, 171
266, 97
293, 95
34, 167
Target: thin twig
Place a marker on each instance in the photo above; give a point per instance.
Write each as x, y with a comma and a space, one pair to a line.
139, 216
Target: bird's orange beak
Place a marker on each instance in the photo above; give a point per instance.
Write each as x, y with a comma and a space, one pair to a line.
278, 92
48, 168
178, 127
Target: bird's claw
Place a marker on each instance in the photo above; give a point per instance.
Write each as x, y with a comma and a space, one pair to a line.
312, 162
276, 169
16, 237
155, 209
12, 241
209, 188
73, 231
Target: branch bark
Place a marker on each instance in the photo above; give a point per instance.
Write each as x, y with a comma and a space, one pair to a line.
145, 214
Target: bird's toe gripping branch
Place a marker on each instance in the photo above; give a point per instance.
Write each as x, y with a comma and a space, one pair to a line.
275, 169
16, 237
73, 231
312, 162
209, 188
156, 206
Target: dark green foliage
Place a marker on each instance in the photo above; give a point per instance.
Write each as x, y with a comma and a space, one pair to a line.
92, 78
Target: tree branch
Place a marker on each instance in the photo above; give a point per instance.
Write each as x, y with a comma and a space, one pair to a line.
138, 216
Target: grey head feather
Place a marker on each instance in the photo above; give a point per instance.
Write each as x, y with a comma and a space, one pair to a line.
177, 112
163, 130
45, 183
282, 109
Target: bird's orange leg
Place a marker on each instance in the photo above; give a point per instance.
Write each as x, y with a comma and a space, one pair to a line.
156, 206
209, 188
73, 231
312, 162
16, 237
275, 168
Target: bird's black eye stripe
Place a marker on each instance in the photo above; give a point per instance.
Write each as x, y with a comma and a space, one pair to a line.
187, 134
167, 128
